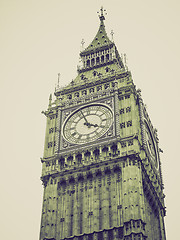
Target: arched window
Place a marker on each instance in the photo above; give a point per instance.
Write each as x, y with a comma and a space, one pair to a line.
91, 90
62, 184
102, 59
107, 69
70, 96
107, 57
79, 158
70, 158
92, 62
106, 85
87, 155
97, 60
76, 94
99, 88
84, 92
88, 63
80, 178
82, 76
61, 162
94, 73
105, 150
96, 153
114, 148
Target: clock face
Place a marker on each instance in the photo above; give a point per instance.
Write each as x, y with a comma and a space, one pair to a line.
87, 123
150, 144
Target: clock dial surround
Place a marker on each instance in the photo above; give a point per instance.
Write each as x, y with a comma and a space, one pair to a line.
150, 144
88, 123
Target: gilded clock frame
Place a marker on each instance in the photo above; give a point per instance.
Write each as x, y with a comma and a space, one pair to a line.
67, 112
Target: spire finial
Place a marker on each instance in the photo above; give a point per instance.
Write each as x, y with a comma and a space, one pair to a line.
82, 44
50, 100
58, 79
112, 33
102, 13
125, 61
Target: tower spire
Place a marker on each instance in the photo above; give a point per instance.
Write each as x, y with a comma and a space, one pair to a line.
101, 39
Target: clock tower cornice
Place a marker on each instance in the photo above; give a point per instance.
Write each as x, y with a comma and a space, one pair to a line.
116, 162
153, 188
92, 82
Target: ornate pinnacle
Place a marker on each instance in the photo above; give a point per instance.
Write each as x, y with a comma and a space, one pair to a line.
58, 79
82, 44
50, 100
101, 14
112, 33
50, 97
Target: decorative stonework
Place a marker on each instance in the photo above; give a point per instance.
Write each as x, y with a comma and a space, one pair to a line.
109, 186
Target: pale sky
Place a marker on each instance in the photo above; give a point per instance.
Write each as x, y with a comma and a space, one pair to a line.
41, 38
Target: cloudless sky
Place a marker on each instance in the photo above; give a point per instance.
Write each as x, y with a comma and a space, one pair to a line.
41, 38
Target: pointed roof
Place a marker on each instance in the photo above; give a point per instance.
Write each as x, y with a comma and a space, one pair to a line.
101, 39
103, 70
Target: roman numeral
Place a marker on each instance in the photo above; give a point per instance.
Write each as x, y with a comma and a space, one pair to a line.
87, 137
102, 126
97, 109
79, 137
102, 114
73, 134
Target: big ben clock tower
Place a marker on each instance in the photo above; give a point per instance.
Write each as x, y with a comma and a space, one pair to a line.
101, 168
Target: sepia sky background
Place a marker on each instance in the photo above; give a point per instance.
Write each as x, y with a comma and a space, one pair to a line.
41, 38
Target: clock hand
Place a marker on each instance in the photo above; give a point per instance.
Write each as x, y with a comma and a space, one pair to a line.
95, 125
86, 122
84, 117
